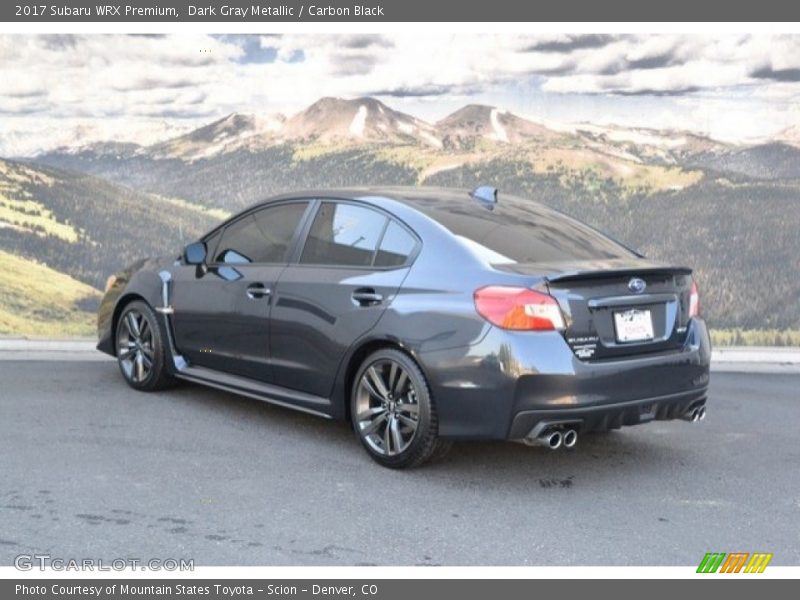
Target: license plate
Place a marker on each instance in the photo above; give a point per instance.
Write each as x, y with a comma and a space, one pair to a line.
633, 325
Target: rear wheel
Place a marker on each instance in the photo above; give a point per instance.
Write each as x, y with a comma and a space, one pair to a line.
141, 353
393, 411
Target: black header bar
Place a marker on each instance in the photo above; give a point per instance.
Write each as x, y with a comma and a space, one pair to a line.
383, 11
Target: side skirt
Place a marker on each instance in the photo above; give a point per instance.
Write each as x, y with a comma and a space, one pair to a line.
273, 394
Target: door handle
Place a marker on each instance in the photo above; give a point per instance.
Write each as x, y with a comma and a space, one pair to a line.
256, 291
367, 297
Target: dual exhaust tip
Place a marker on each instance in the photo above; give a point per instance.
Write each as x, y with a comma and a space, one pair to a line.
695, 415
555, 439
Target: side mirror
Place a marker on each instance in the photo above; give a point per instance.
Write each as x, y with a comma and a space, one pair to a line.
195, 254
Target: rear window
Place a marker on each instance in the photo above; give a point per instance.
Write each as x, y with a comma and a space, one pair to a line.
517, 231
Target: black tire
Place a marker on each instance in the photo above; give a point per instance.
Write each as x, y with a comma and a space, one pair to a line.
385, 430
442, 449
147, 348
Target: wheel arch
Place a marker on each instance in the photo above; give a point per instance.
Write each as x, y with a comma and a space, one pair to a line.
123, 301
351, 364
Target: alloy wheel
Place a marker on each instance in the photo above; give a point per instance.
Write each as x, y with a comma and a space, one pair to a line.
135, 346
387, 411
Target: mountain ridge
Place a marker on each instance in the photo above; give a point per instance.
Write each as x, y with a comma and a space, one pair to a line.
352, 121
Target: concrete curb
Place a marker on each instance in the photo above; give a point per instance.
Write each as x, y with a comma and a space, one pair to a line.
757, 354
756, 359
51, 350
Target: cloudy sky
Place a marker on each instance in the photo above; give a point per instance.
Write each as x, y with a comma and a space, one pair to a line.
59, 89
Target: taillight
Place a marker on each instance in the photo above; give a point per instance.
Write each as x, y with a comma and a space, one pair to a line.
694, 301
518, 308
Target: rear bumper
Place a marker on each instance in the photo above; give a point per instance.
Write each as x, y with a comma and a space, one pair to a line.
504, 386
608, 416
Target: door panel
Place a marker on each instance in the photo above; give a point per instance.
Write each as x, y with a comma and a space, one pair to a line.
315, 319
221, 318
335, 295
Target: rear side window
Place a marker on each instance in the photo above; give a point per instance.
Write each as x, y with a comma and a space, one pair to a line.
260, 237
396, 246
343, 234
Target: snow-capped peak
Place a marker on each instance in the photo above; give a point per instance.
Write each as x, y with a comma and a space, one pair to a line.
359, 121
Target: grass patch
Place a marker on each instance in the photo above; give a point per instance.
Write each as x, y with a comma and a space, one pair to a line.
755, 337
34, 217
413, 157
39, 301
12, 174
588, 165
316, 149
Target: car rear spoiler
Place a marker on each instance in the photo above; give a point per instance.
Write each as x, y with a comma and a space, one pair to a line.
621, 272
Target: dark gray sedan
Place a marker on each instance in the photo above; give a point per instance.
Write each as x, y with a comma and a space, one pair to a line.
420, 315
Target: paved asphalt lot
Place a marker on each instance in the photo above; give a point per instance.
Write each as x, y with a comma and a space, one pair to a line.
90, 468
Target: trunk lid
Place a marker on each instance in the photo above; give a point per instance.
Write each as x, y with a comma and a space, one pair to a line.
616, 308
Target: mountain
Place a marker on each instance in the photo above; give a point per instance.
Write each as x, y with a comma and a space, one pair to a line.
77, 136
477, 122
331, 120
237, 160
225, 135
332, 123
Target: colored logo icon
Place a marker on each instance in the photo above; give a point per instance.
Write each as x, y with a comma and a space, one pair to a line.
735, 562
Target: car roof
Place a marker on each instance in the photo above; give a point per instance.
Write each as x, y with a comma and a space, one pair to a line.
422, 198
399, 193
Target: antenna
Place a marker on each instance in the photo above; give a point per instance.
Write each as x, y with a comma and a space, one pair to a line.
486, 195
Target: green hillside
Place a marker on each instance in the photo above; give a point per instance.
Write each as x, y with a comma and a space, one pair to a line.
36, 300
86, 227
239, 178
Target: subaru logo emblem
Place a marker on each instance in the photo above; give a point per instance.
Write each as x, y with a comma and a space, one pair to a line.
637, 285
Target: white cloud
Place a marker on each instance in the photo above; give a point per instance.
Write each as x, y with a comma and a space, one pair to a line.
186, 79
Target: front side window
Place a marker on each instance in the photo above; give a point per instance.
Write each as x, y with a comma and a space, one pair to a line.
211, 244
260, 237
343, 234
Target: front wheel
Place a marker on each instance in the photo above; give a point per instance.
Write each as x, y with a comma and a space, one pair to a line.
393, 411
141, 354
